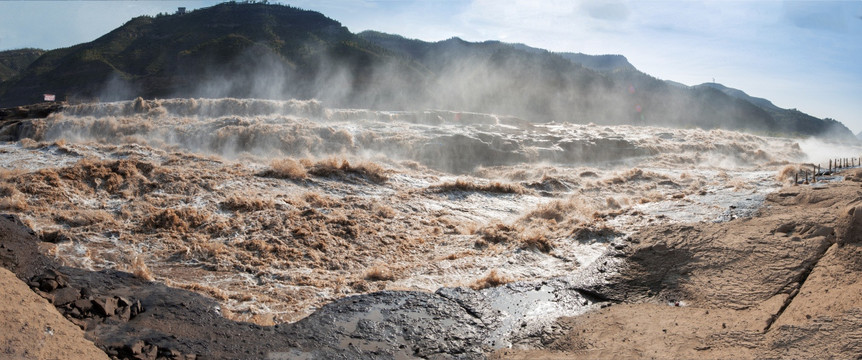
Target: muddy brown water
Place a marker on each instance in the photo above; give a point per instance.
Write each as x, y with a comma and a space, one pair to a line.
189, 192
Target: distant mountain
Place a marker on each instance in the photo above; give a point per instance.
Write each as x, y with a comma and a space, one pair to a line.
802, 123
231, 49
276, 51
12, 62
492, 76
859, 135
624, 88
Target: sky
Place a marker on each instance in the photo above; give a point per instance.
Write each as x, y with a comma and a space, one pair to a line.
798, 54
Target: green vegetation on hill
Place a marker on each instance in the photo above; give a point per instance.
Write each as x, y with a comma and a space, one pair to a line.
275, 51
12, 62
249, 50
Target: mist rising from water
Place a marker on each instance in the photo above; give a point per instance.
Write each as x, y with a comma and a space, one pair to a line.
446, 140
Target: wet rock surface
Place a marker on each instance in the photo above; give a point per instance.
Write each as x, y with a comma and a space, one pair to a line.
394, 324
14, 121
40, 110
131, 318
784, 284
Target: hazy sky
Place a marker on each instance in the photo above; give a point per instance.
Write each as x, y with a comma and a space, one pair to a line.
804, 55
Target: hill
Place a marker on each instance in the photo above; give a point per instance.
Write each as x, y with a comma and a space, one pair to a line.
793, 119
275, 51
789, 122
596, 88
12, 62
242, 50
542, 86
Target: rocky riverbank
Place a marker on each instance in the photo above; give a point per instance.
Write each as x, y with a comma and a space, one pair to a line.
783, 284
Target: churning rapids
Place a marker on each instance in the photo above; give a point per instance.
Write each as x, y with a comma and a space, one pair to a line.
278, 207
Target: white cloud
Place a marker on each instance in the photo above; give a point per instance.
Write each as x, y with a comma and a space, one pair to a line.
818, 15
512, 16
612, 11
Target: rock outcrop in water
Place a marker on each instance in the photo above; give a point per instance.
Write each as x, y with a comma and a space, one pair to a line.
32, 111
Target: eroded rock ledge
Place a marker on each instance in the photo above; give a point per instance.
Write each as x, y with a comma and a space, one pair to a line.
784, 284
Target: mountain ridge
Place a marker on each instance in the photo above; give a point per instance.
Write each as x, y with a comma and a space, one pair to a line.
795, 117
277, 51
